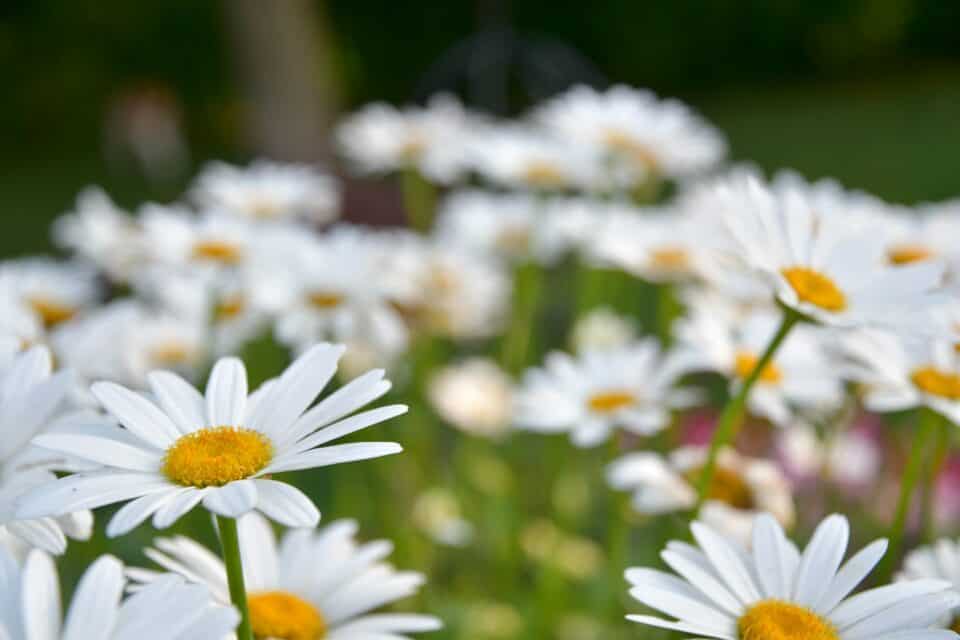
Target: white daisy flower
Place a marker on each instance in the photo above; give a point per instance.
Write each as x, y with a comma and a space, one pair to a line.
600, 329
819, 262
313, 584
643, 133
597, 391
802, 378
267, 190
939, 561
177, 238
899, 373
474, 396
523, 157
101, 232
53, 291
30, 605
926, 233
183, 448
19, 323
742, 488
30, 397
775, 591
433, 139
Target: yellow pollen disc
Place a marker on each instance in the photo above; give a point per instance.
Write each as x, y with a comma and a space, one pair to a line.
937, 382
636, 151
325, 299
610, 401
229, 308
282, 615
544, 175
778, 620
514, 239
412, 149
815, 288
50, 311
907, 253
727, 487
265, 210
215, 456
170, 353
217, 251
955, 625
745, 362
670, 258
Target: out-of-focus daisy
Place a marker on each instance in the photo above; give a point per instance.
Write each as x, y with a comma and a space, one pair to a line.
801, 377
30, 605
437, 513
18, 321
775, 591
313, 584
523, 157
592, 394
474, 396
54, 292
381, 138
647, 135
903, 372
742, 488
102, 233
939, 561
30, 397
221, 448
267, 190
600, 329
177, 238
851, 459
817, 261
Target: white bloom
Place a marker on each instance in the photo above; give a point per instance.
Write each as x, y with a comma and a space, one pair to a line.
904, 372
30, 397
30, 606
598, 391
644, 134
54, 292
175, 237
925, 234
775, 591
381, 138
474, 396
267, 190
801, 378
818, 261
101, 232
600, 329
184, 448
939, 561
437, 512
313, 584
742, 488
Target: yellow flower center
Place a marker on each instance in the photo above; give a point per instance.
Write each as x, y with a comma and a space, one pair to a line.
217, 251
229, 308
955, 625
215, 456
815, 288
610, 401
265, 209
413, 148
937, 382
629, 147
514, 239
544, 175
282, 615
51, 312
171, 353
325, 299
727, 487
907, 253
670, 258
779, 620
745, 362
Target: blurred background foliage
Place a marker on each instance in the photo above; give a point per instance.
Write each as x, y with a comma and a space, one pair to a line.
865, 90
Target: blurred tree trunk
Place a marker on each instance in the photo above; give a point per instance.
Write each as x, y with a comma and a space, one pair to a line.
283, 52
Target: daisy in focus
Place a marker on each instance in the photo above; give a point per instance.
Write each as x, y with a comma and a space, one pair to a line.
742, 488
598, 391
268, 191
819, 261
723, 591
30, 605
31, 396
309, 585
182, 448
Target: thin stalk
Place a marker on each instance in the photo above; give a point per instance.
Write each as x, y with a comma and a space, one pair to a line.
729, 421
527, 290
668, 308
908, 482
939, 451
419, 200
230, 547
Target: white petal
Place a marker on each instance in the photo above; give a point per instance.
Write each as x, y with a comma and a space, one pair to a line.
869, 603
104, 451
93, 609
727, 562
177, 506
820, 560
43, 533
776, 565
137, 414
286, 504
182, 402
227, 393
87, 491
136, 511
683, 627
41, 598
232, 500
348, 425
852, 573
337, 454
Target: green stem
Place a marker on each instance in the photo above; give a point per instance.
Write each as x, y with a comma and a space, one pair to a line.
419, 200
939, 451
528, 286
668, 308
732, 414
908, 482
230, 546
